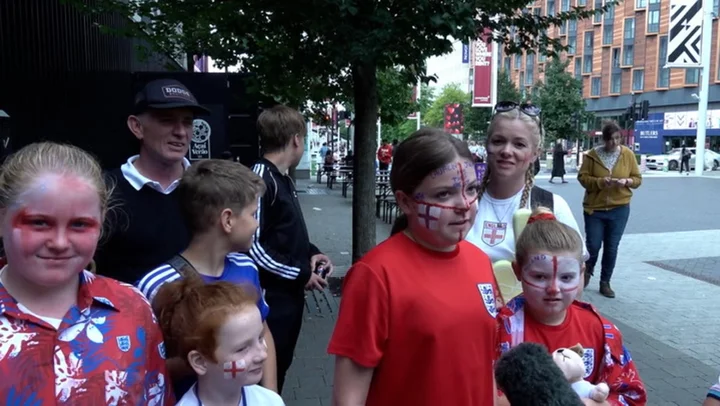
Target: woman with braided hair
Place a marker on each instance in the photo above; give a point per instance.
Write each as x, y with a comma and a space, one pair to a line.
513, 145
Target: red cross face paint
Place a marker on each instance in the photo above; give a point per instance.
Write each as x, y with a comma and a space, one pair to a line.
52, 230
241, 351
551, 282
446, 204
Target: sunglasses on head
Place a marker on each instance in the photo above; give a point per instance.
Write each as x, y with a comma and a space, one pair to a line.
527, 108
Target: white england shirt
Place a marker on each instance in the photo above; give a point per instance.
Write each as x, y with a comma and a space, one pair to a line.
254, 395
493, 231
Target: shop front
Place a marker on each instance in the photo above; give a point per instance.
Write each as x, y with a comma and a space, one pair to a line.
665, 131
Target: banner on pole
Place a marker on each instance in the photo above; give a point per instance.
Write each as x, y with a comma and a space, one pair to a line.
413, 99
454, 119
685, 34
484, 63
465, 53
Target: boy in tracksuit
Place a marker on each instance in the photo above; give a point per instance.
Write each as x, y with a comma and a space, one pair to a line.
282, 248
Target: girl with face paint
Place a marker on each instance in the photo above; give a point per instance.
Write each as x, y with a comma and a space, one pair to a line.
68, 335
550, 267
218, 330
414, 302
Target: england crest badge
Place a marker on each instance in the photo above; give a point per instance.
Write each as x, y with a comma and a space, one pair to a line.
488, 296
589, 361
493, 233
161, 349
123, 343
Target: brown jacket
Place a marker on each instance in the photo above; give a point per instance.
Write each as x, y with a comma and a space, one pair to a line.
599, 196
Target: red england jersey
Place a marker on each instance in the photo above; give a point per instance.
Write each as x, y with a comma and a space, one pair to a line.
424, 320
108, 350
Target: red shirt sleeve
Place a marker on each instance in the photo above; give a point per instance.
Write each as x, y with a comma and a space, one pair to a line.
362, 329
619, 371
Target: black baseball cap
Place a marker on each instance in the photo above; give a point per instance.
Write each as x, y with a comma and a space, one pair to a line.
167, 94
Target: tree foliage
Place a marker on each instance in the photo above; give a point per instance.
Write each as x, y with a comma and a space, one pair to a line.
476, 118
561, 101
321, 50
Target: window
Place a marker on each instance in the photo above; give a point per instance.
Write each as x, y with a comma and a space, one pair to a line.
716, 7
663, 79
629, 33
541, 57
578, 68
595, 86
521, 81
638, 80
616, 83
565, 5
537, 11
551, 7
692, 76
563, 28
588, 43
530, 68
615, 63
588, 52
581, 3
608, 25
506, 64
518, 61
653, 21
572, 37
628, 55
640, 3
597, 18
587, 64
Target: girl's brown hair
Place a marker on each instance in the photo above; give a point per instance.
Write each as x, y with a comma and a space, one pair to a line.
424, 152
536, 133
191, 312
547, 235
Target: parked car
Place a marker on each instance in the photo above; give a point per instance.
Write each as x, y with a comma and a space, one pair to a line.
712, 160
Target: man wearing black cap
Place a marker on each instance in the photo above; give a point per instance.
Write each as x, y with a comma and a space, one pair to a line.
146, 227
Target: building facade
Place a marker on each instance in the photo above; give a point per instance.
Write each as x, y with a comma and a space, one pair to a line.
619, 56
451, 68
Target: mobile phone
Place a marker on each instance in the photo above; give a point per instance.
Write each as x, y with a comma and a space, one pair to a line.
321, 270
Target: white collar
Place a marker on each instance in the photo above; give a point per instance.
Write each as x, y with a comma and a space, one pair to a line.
137, 180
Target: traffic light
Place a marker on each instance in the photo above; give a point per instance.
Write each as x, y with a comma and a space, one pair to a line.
644, 110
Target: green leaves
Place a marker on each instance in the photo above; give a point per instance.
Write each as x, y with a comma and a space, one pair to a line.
560, 97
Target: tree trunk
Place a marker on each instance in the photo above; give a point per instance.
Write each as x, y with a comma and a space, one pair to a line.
366, 116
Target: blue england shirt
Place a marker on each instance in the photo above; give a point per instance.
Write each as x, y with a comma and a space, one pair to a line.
239, 269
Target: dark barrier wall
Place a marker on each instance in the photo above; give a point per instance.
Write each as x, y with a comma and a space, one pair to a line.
63, 79
40, 37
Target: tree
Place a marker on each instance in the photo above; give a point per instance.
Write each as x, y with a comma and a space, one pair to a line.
561, 101
325, 49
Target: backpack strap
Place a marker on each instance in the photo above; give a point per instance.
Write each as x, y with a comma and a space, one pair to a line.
541, 197
183, 267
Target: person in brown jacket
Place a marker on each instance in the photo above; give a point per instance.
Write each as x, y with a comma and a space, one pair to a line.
609, 173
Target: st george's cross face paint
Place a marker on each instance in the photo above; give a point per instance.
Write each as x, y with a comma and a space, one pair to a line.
551, 282
446, 204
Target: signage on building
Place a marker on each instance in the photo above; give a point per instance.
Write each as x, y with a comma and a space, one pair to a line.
648, 136
484, 75
687, 120
684, 34
465, 53
200, 141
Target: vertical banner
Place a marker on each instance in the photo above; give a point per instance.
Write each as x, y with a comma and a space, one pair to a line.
465, 53
684, 34
484, 75
454, 118
413, 116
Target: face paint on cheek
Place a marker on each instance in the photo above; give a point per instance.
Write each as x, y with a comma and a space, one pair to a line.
232, 369
428, 215
544, 272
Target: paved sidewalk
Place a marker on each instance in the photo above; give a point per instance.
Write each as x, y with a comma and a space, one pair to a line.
668, 319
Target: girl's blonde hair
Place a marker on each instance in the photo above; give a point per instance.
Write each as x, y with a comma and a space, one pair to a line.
536, 133
23, 167
547, 234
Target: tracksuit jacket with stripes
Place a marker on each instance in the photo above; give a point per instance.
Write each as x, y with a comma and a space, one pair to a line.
282, 248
